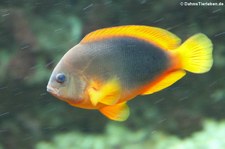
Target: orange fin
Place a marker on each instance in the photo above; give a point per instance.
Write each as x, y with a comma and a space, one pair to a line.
165, 82
107, 93
196, 54
156, 36
117, 112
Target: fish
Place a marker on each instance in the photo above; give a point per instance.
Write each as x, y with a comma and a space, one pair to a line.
111, 66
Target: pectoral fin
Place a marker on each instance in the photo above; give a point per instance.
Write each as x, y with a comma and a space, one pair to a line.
165, 82
107, 93
118, 112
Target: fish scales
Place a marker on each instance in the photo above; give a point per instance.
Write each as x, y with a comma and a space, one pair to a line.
135, 62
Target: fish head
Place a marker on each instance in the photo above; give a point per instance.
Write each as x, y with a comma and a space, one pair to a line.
66, 84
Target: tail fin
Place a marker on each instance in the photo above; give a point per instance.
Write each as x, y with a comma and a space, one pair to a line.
196, 54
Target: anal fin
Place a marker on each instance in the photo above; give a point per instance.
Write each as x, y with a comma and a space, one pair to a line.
117, 112
165, 81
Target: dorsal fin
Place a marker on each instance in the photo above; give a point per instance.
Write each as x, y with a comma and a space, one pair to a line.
156, 36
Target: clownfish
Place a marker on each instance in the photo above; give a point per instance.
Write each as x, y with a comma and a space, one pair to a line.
111, 66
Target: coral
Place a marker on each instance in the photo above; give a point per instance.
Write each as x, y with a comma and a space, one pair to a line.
74, 140
56, 31
41, 73
210, 137
21, 30
116, 136
4, 59
37, 40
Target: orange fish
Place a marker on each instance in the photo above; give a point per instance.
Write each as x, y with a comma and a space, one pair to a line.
113, 65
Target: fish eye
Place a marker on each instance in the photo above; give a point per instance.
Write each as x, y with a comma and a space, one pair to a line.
60, 77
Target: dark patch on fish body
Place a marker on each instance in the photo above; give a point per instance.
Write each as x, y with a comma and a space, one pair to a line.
134, 62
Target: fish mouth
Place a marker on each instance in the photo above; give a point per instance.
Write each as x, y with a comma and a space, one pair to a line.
52, 90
